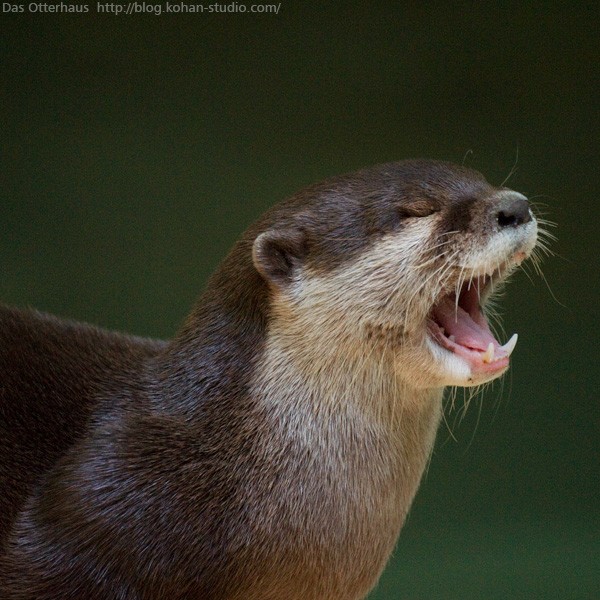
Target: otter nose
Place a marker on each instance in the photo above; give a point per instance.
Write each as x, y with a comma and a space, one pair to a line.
512, 211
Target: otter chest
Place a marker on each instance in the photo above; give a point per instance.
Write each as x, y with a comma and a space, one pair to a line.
341, 495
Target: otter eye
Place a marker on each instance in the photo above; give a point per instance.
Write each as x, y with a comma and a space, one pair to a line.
420, 208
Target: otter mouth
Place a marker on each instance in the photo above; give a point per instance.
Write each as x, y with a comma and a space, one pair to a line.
459, 326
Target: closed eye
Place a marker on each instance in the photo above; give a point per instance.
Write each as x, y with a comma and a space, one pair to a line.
418, 209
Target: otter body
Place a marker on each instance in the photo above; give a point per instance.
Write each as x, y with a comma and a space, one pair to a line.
272, 449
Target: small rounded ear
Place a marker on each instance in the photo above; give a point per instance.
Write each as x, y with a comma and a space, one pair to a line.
277, 253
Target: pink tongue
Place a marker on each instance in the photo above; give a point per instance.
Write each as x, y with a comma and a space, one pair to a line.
459, 323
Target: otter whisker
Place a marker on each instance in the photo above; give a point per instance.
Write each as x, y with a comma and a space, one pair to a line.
433, 258
550, 290
481, 390
459, 285
467, 153
536, 261
442, 270
544, 248
512, 170
494, 319
525, 269
438, 273
394, 292
498, 397
442, 243
452, 232
546, 222
453, 394
539, 209
533, 200
446, 423
428, 262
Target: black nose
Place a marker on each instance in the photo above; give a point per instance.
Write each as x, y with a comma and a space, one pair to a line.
513, 211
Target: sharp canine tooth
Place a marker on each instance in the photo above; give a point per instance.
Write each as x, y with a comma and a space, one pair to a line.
488, 355
452, 338
510, 345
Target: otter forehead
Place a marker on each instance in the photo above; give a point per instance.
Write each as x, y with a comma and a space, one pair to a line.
338, 218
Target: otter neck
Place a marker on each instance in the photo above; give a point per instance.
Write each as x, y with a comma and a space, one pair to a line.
322, 437
353, 441
349, 403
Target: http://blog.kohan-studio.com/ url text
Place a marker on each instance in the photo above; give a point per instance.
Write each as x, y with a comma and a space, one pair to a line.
136, 8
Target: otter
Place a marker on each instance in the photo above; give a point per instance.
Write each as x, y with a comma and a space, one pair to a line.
272, 449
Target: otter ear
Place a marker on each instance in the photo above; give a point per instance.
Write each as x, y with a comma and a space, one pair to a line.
278, 253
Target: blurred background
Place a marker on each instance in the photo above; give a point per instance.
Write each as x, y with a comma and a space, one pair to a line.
135, 149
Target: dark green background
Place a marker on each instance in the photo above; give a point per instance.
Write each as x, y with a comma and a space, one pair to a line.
134, 150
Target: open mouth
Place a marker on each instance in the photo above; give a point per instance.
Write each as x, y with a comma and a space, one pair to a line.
459, 326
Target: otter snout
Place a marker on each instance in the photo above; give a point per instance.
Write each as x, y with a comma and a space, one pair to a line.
512, 210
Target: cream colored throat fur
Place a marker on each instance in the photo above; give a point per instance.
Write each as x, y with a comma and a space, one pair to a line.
353, 440
351, 387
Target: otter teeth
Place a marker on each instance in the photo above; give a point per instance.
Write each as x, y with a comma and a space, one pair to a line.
488, 355
510, 345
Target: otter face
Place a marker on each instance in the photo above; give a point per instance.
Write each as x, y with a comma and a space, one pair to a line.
395, 264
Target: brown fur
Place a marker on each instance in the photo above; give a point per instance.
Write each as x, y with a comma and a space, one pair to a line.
245, 459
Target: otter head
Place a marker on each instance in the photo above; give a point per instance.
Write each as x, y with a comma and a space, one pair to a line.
393, 266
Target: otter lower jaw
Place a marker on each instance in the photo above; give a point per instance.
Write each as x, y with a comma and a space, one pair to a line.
457, 324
